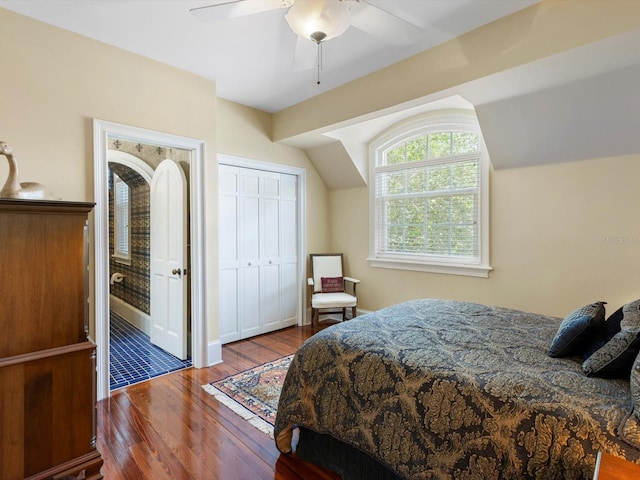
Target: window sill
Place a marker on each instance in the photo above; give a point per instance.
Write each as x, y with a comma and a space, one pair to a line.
450, 269
121, 260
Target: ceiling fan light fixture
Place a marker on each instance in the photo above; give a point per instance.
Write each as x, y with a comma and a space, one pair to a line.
312, 18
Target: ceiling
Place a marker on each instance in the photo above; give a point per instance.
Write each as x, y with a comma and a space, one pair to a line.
250, 58
576, 105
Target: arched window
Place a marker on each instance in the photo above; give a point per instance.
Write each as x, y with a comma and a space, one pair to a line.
429, 196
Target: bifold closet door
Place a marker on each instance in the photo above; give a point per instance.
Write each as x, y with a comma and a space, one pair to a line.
270, 251
258, 252
289, 232
250, 215
229, 199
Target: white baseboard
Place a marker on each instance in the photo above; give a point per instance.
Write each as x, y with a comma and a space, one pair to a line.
131, 314
335, 316
214, 353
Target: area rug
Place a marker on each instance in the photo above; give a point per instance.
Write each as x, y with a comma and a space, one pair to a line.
254, 393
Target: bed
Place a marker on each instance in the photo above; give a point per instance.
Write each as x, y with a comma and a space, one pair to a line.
443, 389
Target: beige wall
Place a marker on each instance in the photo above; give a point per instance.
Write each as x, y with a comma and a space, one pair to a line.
54, 83
561, 236
246, 132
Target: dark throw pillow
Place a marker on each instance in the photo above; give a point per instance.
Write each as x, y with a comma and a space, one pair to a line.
615, 358
611, 327
577, 329
332, 284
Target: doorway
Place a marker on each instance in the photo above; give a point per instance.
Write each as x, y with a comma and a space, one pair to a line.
135, 352
103, 133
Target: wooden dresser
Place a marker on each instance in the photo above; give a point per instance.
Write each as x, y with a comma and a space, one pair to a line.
47, 364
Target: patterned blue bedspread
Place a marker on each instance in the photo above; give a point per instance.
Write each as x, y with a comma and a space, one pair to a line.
440, 389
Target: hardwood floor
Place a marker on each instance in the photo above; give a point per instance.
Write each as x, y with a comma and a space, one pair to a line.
170, 428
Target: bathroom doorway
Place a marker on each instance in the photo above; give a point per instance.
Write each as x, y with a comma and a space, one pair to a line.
134, 355
113, 139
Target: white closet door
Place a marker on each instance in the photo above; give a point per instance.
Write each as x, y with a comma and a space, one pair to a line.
289, 257
259, 290
270, 252
228, 256
249, 242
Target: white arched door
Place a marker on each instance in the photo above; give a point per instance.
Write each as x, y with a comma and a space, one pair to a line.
169, 259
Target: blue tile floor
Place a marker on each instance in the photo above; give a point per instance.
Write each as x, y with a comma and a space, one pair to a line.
133, 358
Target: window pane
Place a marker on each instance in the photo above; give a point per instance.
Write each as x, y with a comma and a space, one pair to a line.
462, 209
417, 149
439, 178
462, 241
415, 211
465, 142
395, 211
395, 239
438, 240
415, 239
439, 144
395, 155
465, 175
396, 183
438, 210
417, 181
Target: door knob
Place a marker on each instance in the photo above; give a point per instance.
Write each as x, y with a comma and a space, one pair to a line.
176, 271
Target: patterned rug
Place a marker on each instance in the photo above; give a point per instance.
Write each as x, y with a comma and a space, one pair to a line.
254, 393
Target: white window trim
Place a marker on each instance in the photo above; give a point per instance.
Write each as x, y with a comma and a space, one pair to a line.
119, 256
407, 129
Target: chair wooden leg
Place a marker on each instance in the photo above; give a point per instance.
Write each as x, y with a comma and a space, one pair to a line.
344, 314
353, 312
314, 317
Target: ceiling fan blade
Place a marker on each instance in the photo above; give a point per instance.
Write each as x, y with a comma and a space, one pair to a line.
220, 11
306, 54
384, 25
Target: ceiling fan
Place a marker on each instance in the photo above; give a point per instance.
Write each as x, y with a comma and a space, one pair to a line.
318, 21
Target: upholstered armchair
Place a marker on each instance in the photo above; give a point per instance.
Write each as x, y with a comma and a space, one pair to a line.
332, 292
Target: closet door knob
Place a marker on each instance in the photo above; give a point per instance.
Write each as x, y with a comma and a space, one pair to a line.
176, 271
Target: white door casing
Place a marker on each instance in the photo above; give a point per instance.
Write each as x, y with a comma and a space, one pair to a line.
168, 242
102, 130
